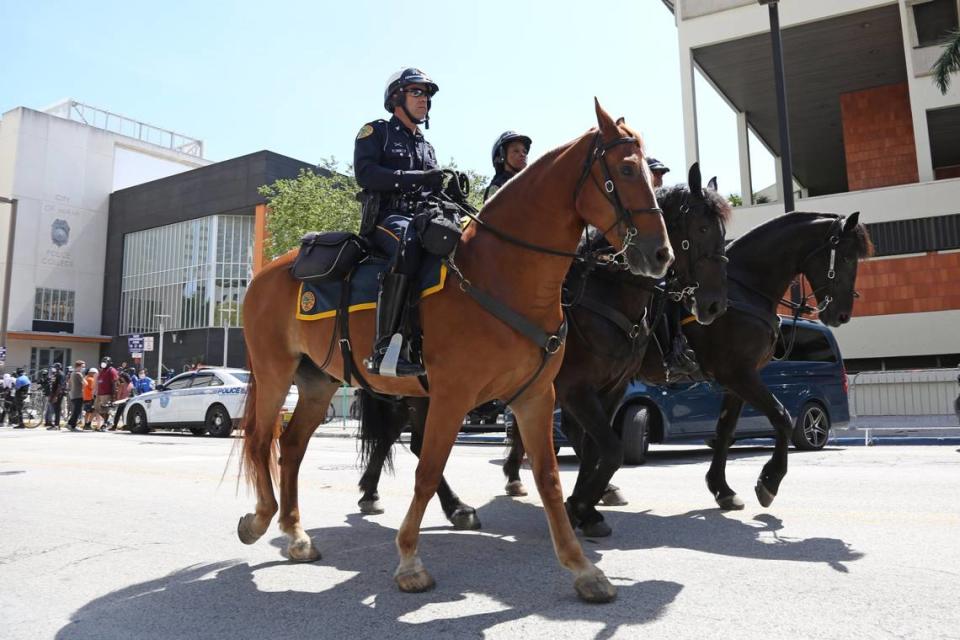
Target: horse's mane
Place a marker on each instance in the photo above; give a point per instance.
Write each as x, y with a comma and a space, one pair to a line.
865, 246
673, 197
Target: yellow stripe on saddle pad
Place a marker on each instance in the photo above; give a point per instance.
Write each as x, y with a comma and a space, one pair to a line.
311, 306
690, 318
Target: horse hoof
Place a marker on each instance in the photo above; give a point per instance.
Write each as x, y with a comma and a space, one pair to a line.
245, 530
515, 489
764, 495
730, 503
465, 519
613, 497
370, 507
596, 530
595, 588
302, 550
416, 581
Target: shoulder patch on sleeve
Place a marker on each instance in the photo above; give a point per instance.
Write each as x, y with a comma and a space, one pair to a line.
365, 131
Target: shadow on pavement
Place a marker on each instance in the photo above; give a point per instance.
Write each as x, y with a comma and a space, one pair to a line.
515, 575
508, 570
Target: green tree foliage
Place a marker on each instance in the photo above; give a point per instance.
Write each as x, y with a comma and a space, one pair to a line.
321, 200
735, 200
948, 62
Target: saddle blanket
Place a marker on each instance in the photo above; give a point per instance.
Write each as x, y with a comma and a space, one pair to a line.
319, 301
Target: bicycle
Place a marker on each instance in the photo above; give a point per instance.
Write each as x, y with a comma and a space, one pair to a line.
33, 407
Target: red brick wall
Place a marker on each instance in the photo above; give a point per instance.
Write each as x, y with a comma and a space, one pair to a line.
878, 137
908, 285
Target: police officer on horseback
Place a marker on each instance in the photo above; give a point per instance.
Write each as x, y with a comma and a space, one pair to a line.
509, 158
398, 171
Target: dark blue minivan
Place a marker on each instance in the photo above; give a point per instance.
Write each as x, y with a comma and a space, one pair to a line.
811, 383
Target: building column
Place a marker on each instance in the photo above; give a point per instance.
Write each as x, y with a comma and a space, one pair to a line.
743, 145
689, 96
921, 134
778, 167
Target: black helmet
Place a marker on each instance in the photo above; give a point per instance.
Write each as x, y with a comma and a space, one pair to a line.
404, 78
499, 147
20, 371
656, 165
57, 366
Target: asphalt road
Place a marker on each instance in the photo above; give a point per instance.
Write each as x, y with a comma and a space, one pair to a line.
119, 536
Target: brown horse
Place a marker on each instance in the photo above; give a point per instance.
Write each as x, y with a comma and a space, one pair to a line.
519, 256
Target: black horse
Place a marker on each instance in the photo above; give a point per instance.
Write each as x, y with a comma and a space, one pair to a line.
825, 249
608, 315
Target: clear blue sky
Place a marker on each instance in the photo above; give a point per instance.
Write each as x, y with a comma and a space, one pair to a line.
301, 78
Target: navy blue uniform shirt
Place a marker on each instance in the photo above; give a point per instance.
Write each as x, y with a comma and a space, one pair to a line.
389, 158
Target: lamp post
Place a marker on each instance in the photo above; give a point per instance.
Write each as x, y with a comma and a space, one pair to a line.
162, 316
786, 164
8, 269
226, 333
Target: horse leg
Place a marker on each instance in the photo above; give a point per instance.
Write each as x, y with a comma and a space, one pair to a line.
268, 387
316, 391
726, 497
381, 422
754, 392
462, 516
602, 457
511, 466
535, 419
442, 426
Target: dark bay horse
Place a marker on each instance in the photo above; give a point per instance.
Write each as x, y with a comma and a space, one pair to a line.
519, 256
825, 249
607, 312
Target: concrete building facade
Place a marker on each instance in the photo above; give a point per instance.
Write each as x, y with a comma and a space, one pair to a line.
871, 133
61, 165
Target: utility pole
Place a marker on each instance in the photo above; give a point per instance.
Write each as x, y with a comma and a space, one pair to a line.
786, 163
8, 270
160, 353
226, 333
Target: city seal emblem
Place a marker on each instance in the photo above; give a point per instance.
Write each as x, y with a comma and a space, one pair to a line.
307, 300
365, 131
60, 232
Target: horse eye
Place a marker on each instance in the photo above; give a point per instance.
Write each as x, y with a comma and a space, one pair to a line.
626, 170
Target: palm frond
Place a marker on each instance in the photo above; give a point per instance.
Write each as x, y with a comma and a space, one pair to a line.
948, 62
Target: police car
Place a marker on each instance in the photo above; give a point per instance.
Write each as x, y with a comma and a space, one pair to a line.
205, 401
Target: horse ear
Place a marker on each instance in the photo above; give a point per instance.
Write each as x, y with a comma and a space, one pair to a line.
620, 121
712, 185
852, 221
604, 121
694, 180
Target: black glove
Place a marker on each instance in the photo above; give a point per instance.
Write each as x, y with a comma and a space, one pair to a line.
430, 180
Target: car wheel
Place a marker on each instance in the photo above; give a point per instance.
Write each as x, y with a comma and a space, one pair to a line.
219, 423
635, 433
812, 428
198, 431
137, 420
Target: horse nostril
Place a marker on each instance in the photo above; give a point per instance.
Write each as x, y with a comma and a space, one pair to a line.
664, 255
714, 308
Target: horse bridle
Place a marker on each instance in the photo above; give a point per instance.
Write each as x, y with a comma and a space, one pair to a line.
688, 289
831, 242
598, 153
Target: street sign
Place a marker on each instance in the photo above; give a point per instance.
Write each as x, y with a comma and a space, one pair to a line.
136, 355
135, 342
148, 343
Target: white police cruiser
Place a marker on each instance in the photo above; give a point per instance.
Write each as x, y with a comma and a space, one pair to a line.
205, 401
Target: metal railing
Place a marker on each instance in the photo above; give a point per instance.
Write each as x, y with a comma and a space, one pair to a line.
115, 123
917, 403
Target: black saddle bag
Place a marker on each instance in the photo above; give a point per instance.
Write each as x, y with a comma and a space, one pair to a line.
439, 231
328, 257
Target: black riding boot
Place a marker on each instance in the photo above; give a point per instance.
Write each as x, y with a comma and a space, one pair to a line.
390, 303
678, 358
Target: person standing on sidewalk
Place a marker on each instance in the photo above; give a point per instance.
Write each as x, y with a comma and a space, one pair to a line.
75, 394
106, 391
89, 391
124, 391
55, 399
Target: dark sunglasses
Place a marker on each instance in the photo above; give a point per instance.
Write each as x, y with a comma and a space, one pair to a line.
417, 93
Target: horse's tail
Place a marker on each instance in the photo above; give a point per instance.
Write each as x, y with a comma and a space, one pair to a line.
257, 438
381, 422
